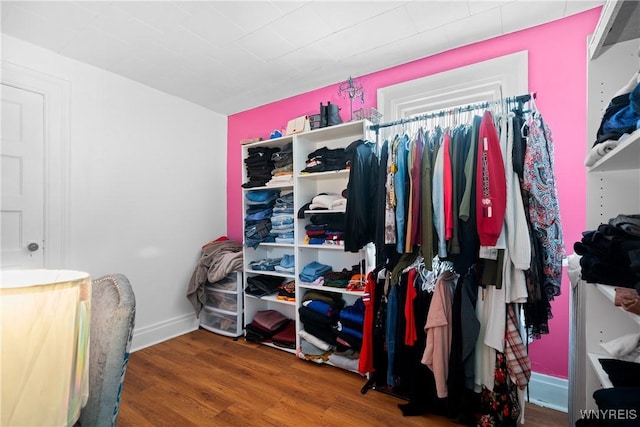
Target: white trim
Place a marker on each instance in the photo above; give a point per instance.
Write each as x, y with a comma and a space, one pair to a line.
163, 331
487, 80
56, 94
549, 392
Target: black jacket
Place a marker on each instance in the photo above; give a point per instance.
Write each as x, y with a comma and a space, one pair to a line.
361, 198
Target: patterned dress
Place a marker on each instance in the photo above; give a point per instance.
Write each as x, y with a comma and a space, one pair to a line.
544, 210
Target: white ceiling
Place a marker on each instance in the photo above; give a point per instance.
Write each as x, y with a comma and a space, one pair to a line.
230, 56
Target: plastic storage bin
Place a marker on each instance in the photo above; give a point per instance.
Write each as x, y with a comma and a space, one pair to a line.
223, 310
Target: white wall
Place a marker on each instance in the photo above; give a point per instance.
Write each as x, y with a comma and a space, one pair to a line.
147, 185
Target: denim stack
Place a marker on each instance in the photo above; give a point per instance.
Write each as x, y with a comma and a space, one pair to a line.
282, 219
285, 264
259, 166
312, 272
257, 222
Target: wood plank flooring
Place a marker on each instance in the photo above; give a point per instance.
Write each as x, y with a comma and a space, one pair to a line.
204, 379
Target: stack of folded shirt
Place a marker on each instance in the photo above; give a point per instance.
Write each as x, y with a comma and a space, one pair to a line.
325, 159
286, 338
315, 234
350, 326
313, 348
282, 173
262, 285
312, 273
266, 324
282, 219
287, 291
286, 264
328, 201
319, 314
611, 254
340, 279
257, 222
332, 221
259, 166
321, 234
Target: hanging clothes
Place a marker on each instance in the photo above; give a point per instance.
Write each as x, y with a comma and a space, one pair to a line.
463, 196
491, 197
439, 330
426, 203
414, 234
360, 219
380, 204
544, 210
401, 189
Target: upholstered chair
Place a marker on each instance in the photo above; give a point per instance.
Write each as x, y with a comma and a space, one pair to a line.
113, 309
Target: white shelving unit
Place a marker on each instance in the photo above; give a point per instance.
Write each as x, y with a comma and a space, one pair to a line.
253, 304
613, 188
305, 187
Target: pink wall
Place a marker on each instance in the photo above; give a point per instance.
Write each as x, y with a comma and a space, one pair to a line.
557, 72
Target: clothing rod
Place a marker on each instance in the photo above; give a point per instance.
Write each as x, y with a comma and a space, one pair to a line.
520, 99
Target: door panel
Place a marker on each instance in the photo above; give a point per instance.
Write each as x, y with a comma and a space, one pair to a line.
22, 166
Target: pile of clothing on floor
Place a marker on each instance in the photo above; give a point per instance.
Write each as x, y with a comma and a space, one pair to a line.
218, 259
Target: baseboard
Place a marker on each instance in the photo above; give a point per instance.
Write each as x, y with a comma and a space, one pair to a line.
549, 392
163, 331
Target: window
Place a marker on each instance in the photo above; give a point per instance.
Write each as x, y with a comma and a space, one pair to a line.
484, 81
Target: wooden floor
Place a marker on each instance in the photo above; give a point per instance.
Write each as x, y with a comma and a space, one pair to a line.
204, 379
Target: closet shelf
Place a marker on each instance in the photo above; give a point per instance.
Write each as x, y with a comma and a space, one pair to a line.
597, 368
272, 298
322, 135
619, 21
268, 273
275, 142
323, 246
325, 174
288, 350
610, 293
324, 211
277, 245
270, 187
331, 289
626, 156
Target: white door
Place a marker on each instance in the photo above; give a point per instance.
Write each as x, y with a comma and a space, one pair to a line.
22, 155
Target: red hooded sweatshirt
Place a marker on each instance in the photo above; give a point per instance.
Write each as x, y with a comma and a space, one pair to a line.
491, 186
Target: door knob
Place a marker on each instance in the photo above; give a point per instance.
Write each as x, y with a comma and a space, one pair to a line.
33, 246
